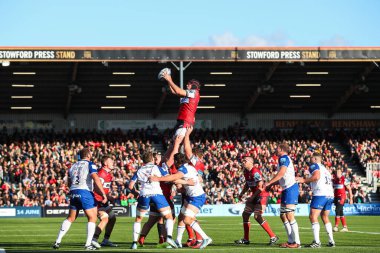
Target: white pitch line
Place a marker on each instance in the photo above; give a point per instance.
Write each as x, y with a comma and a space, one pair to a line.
363, 232
352, 231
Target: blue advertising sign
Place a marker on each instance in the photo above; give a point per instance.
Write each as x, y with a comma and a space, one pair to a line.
236, 210
274, 210
359, 209
20, 211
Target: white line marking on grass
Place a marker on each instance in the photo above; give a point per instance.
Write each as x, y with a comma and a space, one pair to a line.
352, 231
363, 232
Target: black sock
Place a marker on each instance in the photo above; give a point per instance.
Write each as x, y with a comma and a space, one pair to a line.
160, 228
109, 228
97, 233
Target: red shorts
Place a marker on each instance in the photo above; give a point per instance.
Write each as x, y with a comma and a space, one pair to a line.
256, 205
259, 200
339, 200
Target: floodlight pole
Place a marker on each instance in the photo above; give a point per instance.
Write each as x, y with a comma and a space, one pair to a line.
181, 69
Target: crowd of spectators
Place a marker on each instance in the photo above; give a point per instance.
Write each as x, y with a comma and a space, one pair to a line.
364, 145
34, 164
365, 148
223, 151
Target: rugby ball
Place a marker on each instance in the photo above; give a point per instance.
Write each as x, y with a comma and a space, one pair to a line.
163, 72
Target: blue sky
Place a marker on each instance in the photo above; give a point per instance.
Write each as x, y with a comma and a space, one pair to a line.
189, 23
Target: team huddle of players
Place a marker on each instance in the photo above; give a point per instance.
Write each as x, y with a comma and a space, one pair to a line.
155, 180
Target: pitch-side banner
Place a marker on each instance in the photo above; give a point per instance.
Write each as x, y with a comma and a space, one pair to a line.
236, 210
190, 54
359, 209
20, 212
64, 211
274, 210
138, 124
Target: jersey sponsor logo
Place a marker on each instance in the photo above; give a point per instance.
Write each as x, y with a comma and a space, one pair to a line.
184, 100
190, 93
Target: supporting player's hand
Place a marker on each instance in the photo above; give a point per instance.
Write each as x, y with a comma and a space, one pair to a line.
153, 179
190, 182
300, 180
351, 201
189, 129
179, 138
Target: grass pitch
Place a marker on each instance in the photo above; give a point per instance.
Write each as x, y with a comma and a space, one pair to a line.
38, 235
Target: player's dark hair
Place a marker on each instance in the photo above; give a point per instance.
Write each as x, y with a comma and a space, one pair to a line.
179, 159
284, 147
155, 154
147, 157
105, 158
317, 154
195, 84
84, 153
198, 152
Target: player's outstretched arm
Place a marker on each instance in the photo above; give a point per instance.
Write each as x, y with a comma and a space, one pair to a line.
173, 87
315, 177
185, 182
169, 178
280, 174
177, 143
186, 143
